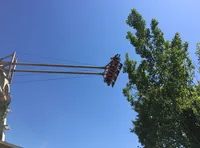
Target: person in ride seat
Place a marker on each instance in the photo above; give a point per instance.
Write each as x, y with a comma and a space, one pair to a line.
114, 64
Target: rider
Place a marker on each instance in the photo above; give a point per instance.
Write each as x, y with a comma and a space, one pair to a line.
111, 69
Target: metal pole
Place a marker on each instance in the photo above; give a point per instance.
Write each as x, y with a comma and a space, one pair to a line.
58, 72
57, 65
11, 66
6, 57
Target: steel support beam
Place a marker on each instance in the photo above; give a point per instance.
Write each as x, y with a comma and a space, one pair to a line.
58, 72
53, 65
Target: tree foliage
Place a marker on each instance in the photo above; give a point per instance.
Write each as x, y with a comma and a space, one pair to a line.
198, 53
160, 88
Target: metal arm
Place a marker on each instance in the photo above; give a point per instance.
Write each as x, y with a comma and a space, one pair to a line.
53, 65
59, 72
10, 67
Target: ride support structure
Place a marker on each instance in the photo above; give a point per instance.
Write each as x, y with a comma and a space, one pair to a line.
8, 66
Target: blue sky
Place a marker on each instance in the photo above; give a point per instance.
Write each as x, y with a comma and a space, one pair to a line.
79, 112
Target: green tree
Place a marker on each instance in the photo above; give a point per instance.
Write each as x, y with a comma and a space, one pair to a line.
198, 53
160, 88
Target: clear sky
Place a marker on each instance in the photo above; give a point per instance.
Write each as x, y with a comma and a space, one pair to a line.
79, 112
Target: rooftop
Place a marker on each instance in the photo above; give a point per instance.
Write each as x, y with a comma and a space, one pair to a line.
7, 145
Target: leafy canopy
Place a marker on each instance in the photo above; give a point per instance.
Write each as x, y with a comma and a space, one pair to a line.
160, 88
